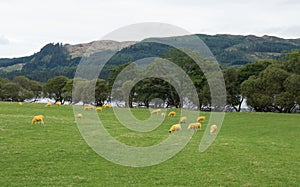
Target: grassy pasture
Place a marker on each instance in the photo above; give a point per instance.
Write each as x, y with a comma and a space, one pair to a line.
252, 149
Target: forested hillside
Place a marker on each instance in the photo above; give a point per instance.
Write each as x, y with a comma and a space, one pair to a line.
58, 59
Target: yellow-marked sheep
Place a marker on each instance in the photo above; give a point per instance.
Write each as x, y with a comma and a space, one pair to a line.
88, 107
78, 115
98, 108
201, 118
176, 127
106, 106
48, 105
20, 103
57, 103
213, 129
172, 113
156, 111
194, 126
38, 119
183, 119
163, 114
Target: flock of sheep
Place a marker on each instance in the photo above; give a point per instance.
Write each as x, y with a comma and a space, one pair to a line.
191, 126
39, 119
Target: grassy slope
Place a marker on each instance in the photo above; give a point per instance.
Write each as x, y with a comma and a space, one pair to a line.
252, 149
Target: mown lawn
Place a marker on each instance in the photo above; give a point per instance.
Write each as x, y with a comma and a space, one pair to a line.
252, 149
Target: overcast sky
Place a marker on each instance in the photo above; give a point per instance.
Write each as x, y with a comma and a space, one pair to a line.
27, 25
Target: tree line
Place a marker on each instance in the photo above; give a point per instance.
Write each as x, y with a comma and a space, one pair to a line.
267, 85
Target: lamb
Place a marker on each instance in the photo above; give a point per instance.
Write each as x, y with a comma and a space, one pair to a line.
172, 113
194, 126
213, 129
78, 115
163, 114
98, 108
176, 127
155, 111
201, 119
183, 119
38, 119
57, 103
48, 105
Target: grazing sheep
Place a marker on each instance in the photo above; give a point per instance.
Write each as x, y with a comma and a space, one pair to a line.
194, 126
183, 119
78, 115
99, 109
38, 119
155, 111
163, 114
106, 106
88, 107
172, 113
201, 118
57, 103
176, 127
213, 129
48, 105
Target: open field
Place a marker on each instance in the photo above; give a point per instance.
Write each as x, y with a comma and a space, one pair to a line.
252, 149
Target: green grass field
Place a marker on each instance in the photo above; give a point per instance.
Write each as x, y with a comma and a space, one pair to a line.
252, 149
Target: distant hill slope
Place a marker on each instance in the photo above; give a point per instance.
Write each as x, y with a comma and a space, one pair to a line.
57, 59
239, 50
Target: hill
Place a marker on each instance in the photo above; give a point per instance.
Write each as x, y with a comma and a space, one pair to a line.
58, 59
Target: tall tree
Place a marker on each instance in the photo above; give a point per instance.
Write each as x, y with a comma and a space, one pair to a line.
101, 92
232, 82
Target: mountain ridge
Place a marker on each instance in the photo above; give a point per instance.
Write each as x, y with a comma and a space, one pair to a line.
62, 59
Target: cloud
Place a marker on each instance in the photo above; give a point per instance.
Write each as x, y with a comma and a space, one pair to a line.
4, 40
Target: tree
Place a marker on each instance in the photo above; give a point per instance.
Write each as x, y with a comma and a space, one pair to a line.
293, 60
54, 88
253, 90
67, 90
193, 71
127, 88
292, 86
30, 88
101, 92
11, 92
3, 81
232, 82
268, 92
